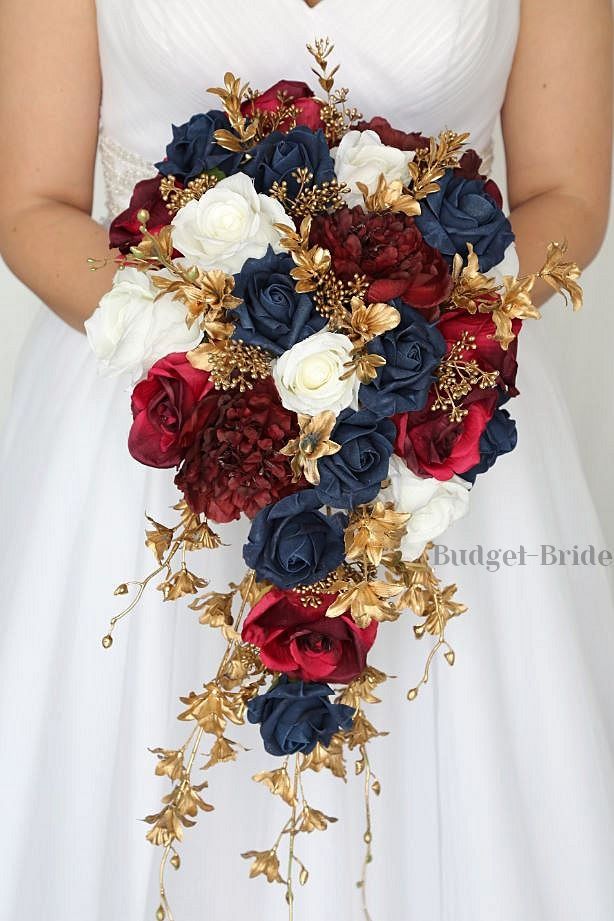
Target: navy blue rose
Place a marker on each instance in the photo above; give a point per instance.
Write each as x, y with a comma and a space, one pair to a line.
412, 350
291, 542
273, 315
278, 155
354, 474
499, 437
295, 715
194, 150
466, 211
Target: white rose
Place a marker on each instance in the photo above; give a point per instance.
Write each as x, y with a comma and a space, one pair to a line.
228, 225
130, 330
308, 376
433, 504
361, 157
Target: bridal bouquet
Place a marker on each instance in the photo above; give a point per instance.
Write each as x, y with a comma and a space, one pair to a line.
320, 316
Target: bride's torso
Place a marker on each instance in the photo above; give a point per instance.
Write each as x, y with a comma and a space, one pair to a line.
424, 66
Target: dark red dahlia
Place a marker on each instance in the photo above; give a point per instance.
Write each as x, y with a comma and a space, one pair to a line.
234, 466
392, 137
389, 250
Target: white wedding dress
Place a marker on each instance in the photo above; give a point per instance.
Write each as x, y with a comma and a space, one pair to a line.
497, 796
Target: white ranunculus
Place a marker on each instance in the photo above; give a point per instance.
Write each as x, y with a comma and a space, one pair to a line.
361, 157
433, 504
308, 376
228, 225
130, 330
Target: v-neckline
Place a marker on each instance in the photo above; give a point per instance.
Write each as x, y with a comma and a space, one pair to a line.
312, 3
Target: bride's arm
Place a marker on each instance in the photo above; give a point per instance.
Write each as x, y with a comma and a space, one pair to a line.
49, 105
557, 125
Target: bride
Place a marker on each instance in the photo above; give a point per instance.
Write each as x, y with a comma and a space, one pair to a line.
498, 782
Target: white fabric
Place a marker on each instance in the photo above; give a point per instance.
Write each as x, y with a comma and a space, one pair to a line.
497, 783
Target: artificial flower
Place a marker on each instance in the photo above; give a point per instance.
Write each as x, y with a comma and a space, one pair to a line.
307, 108
302, 642
295, 715
273, 314
309, 376
433, 505
277, 157
124, 231
234, 465
293, 543
228, 225
133, 327
194, 149
361, 157
499, 437
163, 406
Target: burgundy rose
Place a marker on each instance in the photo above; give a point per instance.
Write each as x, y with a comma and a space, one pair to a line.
469, 165
488, 353
389, 250
124, 231
392, 137
234, 465
303, 643
163, 407
432, 445
308, 108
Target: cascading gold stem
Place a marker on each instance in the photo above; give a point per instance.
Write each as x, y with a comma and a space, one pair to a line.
289, 887
237, 624
164, 911
368, 835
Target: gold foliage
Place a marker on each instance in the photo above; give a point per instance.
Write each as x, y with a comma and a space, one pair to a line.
231, 363
457, 376
310, 198
329, 759
361, 688
430, 164
314, 820
371, 320
213, 708
389, 196
362, 732
215, 609
561, 274
366, 601
266, 863
312, 262
177, 198
312, 444
244, 132
158, 539
170, 763
279, 783
181, 583
373, 530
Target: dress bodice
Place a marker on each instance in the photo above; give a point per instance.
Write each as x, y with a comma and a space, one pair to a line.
424, 66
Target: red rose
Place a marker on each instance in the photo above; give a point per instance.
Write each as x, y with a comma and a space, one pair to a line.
124, 231
469, 165
303, 643
488, 353
431, 445
389, 250
308, 109
392, 137
234, 465
163, 407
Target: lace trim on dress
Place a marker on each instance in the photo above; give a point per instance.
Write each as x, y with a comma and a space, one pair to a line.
122, 169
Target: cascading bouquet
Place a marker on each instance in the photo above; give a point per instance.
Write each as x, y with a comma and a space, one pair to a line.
305, 305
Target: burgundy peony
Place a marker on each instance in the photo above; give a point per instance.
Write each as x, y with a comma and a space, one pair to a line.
432, 445
124, 231
308, 108
303, 643
389, 250
488, 353
392, 137
234, 466
163, 407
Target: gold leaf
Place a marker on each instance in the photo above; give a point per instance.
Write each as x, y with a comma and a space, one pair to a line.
215, 609
170, 763
279, 783
266, 863
311, 445
330, 758
159, 539
366, 601
373, 530
314, 820
371, 320
562, 275
362, 732
221, 752
181, 583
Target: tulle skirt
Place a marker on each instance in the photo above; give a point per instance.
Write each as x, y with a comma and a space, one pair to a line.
497, 799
